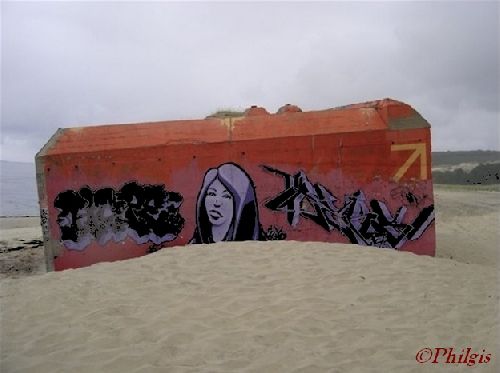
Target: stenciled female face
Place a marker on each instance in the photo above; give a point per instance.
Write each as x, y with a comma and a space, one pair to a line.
219, 204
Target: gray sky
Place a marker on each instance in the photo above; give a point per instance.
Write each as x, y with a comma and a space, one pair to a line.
68, 64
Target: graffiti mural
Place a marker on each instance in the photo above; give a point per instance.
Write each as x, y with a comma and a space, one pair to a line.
141, 212
362, 222
226, 207
407, 195
227, 210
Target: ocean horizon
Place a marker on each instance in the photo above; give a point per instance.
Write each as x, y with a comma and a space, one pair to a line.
18, 191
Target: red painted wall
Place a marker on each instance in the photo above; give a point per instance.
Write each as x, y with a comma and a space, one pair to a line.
380, 148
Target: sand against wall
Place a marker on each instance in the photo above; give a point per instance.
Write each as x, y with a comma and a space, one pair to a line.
266, 307
255, 307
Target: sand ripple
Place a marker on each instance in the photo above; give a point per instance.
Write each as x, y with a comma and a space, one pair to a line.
249, 307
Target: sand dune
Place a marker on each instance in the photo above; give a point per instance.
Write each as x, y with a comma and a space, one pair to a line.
251, 307
468, 225
267, 307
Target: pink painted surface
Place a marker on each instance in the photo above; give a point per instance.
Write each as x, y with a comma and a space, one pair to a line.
346, 150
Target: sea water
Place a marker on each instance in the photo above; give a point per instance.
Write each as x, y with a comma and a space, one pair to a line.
18, 191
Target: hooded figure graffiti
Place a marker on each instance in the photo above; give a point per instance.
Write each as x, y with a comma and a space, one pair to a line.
226, 208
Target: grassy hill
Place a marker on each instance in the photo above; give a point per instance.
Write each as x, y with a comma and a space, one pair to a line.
478, 167
457, 158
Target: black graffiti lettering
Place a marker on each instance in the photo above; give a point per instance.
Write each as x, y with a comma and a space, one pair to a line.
407, 195
421, 222
361, 222
141, 212
274, 233
68, 203
103, 217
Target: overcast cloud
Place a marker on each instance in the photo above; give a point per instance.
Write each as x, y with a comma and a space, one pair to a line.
69, 64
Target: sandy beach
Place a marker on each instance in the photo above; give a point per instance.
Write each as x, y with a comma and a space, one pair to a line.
260, 307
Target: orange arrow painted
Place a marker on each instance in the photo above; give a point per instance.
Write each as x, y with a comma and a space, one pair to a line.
419, 151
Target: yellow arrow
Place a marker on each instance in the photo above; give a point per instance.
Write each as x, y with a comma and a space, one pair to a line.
419, 150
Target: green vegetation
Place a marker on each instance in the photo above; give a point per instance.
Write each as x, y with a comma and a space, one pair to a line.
456, 158
226, 113
472, 170
482, 174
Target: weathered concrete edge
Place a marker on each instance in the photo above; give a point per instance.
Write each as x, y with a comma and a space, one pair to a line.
415, 121
50, 247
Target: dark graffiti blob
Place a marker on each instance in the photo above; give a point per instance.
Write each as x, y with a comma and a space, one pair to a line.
76, 230
361, 222
141, 212
274, 233
407, 196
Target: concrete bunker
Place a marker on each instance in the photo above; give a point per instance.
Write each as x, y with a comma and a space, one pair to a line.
354, 174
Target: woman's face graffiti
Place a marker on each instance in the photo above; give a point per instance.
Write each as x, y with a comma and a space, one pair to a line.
219, 204
226, 206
